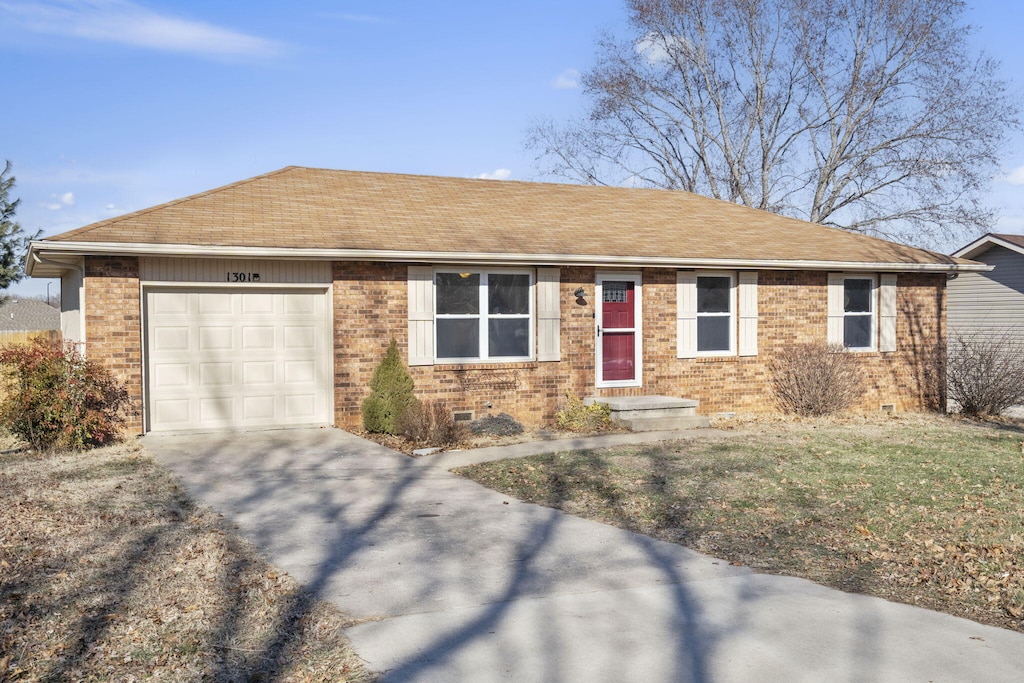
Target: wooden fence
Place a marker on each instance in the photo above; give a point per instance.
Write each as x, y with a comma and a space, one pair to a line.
10, 337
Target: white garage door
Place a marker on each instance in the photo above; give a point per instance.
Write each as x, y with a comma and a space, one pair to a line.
229, 358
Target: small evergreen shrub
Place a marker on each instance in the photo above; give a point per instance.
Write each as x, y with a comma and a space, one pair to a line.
431, 423
391, 393
501, 424
56, 399
577, 417
816, 379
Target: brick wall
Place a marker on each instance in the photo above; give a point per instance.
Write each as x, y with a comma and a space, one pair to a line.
113, 324
371, 308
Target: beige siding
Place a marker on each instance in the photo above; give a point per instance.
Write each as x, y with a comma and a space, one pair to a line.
234, 271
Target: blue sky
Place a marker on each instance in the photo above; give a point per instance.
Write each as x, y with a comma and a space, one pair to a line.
114, 105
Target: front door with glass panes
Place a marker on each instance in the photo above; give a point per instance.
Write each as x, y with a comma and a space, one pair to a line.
618, 330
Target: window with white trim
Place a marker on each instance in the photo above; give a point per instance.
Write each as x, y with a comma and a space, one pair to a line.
483, 315
716, 314
859, 313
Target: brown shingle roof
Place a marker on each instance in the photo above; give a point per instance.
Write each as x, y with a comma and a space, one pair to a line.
1012, 239
325, 209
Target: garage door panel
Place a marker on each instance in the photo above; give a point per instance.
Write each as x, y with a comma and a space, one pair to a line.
258, 338
170, 339
169, 302
216, 409
257, 372
259, 303
300, 406
215, 338
237, 358
259, 407
301, 304
216, 374
172, 412
300, 338
215, 304
168, 375
299, 372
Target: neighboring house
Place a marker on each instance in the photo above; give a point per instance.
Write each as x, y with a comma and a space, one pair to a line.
990, 303
28, 315
270, 301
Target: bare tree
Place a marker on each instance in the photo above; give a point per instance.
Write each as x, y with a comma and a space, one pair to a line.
870, 115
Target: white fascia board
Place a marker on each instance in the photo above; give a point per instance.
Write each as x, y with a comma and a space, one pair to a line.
51, 250
984, 243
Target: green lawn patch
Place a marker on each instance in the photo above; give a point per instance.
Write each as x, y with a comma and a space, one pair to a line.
918, 509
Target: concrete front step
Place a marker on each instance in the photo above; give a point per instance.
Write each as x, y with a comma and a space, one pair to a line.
652, 413
660, 424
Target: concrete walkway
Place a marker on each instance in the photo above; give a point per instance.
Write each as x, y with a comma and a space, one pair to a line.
466, 584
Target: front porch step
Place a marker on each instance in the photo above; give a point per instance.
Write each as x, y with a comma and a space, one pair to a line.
652, 413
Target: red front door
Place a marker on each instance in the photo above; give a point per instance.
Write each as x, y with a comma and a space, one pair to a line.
617, 331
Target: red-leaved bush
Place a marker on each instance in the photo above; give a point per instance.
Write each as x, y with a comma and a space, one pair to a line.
56, 399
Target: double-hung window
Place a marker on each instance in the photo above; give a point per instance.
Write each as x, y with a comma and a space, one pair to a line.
716, 307
859, 313
481, 315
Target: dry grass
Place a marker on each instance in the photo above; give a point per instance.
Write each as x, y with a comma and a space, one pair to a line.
109, 572
924, 510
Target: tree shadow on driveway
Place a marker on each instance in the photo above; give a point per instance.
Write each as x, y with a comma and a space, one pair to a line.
453, 581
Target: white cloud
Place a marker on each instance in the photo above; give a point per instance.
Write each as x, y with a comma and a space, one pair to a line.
59, 202
1016, 176
567, 80
655, 47
123, 22
498, 174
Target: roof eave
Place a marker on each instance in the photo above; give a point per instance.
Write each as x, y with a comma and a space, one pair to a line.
984, 243
41, 251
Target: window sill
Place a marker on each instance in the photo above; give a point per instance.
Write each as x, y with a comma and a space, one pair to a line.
488, 365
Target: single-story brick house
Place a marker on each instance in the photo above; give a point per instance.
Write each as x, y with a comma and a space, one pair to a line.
270, 301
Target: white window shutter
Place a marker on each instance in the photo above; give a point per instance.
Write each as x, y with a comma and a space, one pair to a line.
421, 315
836, 310
887, 313
748, 312
686, 314
549, 315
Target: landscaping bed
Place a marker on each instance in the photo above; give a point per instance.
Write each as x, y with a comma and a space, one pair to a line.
925, 510
109, 572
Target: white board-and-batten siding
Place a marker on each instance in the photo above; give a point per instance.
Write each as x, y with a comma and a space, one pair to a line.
234, 271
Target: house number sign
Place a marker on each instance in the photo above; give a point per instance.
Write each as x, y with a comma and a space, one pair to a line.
243, 277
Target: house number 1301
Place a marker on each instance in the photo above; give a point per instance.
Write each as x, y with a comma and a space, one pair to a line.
243, 277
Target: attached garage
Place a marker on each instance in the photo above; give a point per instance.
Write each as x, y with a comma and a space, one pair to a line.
236, 355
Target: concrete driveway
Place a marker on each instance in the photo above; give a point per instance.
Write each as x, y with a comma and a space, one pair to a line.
465, 584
